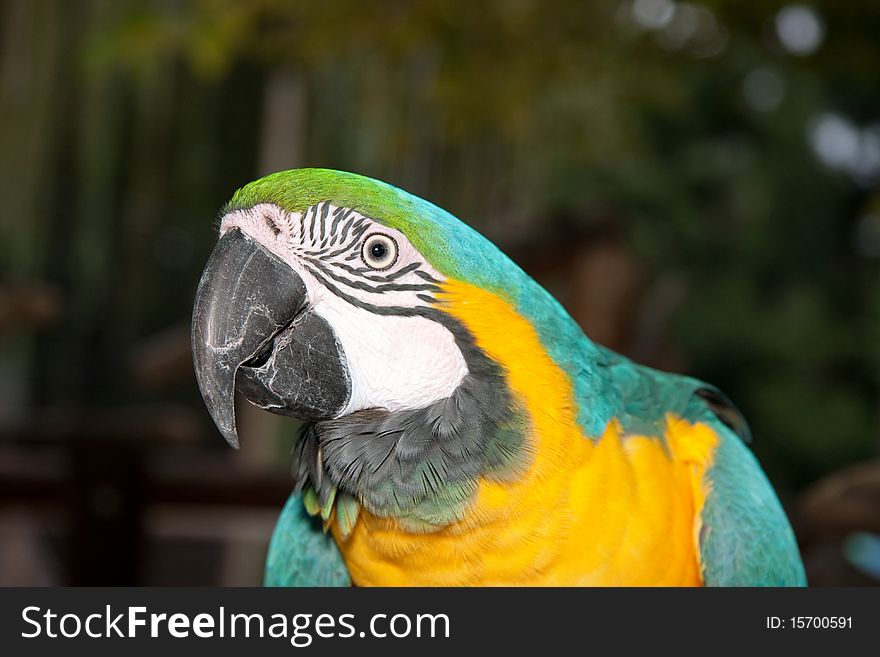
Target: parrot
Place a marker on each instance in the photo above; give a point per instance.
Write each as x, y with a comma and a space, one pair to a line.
451, 424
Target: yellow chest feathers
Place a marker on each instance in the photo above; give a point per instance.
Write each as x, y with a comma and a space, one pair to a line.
623, 510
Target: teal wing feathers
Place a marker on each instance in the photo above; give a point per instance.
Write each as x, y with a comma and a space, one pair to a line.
647, 396
745, 538
300, 553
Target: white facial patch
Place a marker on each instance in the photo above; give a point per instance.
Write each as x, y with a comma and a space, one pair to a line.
397, 359
395, 362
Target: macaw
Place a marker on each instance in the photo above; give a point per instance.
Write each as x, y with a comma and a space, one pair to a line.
460, 428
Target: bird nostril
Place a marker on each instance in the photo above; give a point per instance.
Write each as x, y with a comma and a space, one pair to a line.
270, 222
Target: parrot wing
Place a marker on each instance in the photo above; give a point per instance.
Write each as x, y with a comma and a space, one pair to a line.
300, 553
745, 537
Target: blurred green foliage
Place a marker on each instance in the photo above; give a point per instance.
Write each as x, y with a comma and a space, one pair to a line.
127, 124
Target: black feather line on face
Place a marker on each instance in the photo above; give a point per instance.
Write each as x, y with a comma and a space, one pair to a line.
325, 208
369, 274
421, 466
340, 215
374, 288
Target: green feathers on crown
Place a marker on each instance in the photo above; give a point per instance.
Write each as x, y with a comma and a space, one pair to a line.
297, 189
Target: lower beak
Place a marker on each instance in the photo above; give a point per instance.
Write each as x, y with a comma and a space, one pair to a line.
252, 329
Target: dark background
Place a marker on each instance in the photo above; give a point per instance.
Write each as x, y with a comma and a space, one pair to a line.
696, 182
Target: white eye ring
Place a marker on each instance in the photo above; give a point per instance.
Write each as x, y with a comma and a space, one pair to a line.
379, 251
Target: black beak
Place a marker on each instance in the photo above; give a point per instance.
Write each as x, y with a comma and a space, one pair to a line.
252, 329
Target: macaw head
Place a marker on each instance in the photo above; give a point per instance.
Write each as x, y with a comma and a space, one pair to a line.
350, 304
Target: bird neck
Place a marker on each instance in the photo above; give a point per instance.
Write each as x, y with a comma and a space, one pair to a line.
544, 391
422, 467
513, 418
503, 511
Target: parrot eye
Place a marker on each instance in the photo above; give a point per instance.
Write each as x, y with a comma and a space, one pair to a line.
379, 251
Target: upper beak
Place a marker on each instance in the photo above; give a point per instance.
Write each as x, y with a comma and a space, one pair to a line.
252, 327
